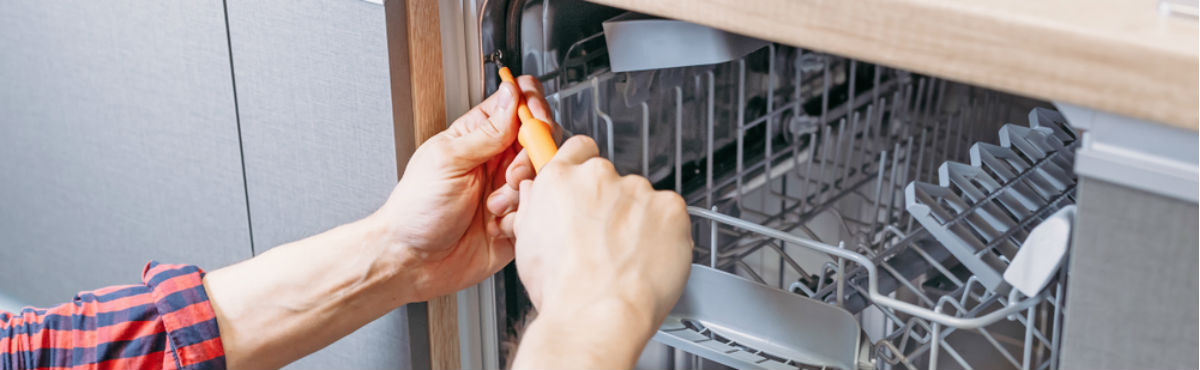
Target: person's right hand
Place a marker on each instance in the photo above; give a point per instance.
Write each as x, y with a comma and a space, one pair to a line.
605, 254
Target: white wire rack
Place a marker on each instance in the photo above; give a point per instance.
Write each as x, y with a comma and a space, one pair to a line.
796, 165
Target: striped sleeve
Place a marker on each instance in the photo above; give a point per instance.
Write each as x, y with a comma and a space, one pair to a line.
164, 323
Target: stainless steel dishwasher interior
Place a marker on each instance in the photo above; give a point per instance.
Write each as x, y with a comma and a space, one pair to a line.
787, 149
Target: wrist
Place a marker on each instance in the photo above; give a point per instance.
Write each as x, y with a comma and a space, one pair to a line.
627, 316
416, 272
391, 258
609, 333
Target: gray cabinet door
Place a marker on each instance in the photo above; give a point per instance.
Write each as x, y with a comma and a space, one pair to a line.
118, 144
315, 106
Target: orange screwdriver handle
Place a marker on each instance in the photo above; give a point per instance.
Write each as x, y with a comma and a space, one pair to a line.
534, 134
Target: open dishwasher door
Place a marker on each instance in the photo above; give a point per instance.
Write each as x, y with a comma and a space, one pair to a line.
795, 166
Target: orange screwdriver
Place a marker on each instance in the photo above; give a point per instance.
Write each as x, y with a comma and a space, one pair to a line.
534, 134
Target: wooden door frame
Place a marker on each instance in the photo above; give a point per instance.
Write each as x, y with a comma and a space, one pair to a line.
419, 112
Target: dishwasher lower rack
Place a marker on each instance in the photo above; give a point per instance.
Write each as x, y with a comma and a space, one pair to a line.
968, 327
946, 314
795, 165
928, 306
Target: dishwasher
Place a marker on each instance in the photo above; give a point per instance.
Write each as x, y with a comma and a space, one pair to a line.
845, 214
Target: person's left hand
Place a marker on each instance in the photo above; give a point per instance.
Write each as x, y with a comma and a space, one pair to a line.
443, 218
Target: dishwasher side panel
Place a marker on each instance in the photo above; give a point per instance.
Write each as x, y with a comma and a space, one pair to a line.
1132, 290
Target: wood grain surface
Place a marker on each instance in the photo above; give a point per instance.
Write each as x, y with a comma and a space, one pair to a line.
425, 61
429, 118
418, 95
1120, 56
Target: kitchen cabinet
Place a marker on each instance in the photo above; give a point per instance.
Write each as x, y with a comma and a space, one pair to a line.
315, 112
199, 133
315, 108
119, 144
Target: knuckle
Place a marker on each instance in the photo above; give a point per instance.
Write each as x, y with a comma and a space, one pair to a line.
637, 183
674, 207
576, 140
552, 170
581, 142
673, 200
599, 165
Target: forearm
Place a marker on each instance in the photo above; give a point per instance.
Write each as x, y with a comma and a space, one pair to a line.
299, 297
602, 336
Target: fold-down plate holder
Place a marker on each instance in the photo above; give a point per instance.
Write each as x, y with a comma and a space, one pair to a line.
742, 324
638, 42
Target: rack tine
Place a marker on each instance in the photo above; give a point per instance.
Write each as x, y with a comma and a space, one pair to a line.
708, 173
608, 122
679, 139
825, 83
770, 108
741, 129
645, 139
836, 163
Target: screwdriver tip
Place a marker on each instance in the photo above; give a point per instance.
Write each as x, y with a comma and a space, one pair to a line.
496, 57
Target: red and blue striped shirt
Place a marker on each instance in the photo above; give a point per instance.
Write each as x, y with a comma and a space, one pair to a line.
164, 323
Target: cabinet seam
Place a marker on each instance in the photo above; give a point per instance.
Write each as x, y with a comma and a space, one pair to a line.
238, 119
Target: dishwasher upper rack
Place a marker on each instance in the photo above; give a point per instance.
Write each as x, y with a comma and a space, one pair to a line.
743, 102
833, 144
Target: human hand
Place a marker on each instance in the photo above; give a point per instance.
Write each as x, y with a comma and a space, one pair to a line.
432, 237
595, 248
440, 219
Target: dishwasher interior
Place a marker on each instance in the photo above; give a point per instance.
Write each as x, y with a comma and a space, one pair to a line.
894, 197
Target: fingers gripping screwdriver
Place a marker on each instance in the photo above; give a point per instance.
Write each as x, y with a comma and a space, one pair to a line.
534, 133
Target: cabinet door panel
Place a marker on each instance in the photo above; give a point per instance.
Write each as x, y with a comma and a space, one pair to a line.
118, 144
315, 104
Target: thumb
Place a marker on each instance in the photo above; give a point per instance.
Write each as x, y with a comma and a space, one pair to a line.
488, 129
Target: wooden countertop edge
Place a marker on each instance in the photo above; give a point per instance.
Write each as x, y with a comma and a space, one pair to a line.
1113, 55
